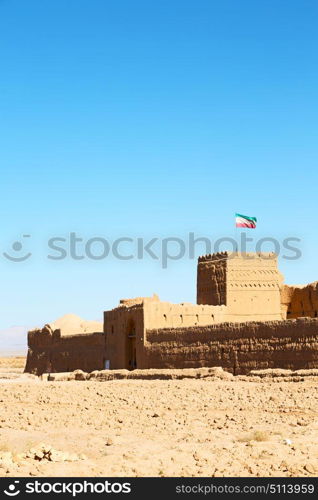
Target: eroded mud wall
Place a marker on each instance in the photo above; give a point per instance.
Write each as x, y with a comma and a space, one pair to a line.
237, 347
51, 353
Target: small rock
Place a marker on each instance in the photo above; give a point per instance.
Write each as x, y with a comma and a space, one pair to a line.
287, 441
56, 456
311, 468
196, 456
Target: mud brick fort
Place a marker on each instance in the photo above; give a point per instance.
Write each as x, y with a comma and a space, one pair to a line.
245, 318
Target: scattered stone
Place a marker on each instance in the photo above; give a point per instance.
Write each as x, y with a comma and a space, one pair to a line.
46, 452
311, 468
287, 441
196, 456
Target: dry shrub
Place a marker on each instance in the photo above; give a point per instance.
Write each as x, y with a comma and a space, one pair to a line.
255, 436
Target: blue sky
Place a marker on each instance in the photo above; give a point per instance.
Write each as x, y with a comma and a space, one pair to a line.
145, 119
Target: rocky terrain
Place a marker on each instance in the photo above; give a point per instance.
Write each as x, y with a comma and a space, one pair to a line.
215, 425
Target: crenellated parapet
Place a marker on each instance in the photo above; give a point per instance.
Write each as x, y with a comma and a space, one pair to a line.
238, 255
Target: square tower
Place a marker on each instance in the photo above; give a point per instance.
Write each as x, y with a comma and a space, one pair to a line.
247, 283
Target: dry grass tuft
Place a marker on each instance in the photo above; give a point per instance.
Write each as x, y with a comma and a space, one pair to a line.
12, 362
255, 436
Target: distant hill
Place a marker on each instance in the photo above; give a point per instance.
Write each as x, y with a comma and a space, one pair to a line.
13, 341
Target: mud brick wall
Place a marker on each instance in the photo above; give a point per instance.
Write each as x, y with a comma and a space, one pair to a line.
237, 347
61, 354
300, 301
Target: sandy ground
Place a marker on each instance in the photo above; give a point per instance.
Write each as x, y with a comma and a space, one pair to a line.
16, 363
207, 427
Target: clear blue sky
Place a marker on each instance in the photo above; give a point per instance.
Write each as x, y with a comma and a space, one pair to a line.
150, 119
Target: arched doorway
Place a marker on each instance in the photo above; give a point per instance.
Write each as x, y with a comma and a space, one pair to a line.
131, 357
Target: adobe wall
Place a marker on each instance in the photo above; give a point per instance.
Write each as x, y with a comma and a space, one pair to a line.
166, 315
47, 352
125, 326
253, 288
120, 326
248, 284
300, 301
211, 279
236, 347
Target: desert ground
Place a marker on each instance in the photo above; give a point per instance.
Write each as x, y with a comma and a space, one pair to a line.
214, 426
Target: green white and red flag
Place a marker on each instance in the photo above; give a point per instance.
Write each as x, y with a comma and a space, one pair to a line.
245, 221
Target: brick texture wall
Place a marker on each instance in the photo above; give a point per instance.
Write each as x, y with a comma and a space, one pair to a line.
237, 347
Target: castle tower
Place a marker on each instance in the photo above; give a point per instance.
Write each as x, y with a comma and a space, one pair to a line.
248, 284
